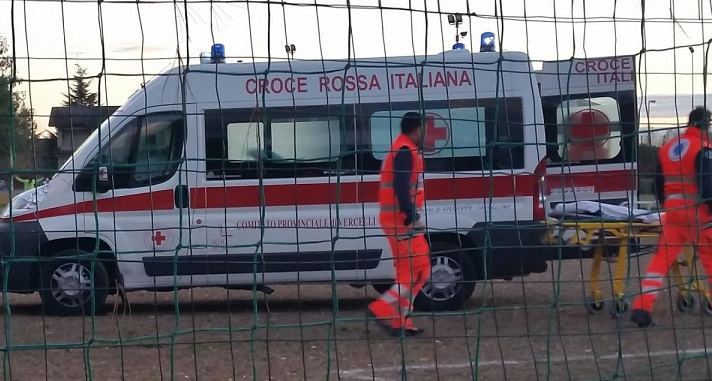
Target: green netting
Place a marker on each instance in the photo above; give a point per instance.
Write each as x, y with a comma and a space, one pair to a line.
239, 235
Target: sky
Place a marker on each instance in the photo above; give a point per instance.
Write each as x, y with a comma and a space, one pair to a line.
125, 43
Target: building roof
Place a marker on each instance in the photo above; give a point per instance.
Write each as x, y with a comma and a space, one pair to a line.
79, 116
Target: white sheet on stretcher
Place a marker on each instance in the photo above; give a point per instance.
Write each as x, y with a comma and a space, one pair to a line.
604, 211
596, 210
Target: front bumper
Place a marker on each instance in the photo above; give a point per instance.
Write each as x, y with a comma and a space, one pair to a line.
20, 244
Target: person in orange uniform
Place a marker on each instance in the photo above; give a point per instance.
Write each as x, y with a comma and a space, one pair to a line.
400, 196
684, 188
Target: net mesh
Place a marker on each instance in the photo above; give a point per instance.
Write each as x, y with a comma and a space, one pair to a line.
239, 238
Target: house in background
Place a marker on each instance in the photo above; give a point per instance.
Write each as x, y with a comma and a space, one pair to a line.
74, 124
45, 148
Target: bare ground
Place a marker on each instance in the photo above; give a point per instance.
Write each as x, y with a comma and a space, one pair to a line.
526, 329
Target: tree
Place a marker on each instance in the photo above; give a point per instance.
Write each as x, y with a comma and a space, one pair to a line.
17, 126
79, 93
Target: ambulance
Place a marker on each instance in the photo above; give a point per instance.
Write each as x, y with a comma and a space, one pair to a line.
249, 175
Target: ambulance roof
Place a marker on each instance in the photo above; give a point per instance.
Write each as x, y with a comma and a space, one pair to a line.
278, 83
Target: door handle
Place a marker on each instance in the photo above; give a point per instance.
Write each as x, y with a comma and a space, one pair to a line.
181, 196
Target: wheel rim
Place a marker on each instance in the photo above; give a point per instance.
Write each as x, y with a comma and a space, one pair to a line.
71, 284
445, 281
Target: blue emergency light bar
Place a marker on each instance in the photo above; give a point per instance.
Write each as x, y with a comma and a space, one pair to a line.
459, 46
487, 42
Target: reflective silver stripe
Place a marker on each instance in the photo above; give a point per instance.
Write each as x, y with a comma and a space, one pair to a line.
405, 312
652, 282
681, 196
396, 293
401, 237
654, 276
389, 298
650, 290
680, 179
408, 235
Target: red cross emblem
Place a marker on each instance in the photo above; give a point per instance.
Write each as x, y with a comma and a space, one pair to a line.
436, 131
158, 238
590, 129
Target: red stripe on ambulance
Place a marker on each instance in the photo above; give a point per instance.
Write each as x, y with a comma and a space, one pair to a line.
140, 202
351, 193
344, 193
293, 194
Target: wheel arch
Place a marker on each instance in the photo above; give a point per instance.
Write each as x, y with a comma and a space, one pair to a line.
466, 244
104, 250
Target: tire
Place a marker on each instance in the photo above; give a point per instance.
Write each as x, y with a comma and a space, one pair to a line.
64, 271
452, 279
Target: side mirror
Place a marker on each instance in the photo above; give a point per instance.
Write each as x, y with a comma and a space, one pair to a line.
85, 180
103, 180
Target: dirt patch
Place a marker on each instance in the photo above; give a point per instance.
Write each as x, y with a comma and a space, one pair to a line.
531, 328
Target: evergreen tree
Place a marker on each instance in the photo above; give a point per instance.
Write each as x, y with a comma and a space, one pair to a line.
17, 126
79, 93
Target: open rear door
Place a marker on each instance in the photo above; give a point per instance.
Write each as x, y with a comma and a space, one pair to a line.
590, 112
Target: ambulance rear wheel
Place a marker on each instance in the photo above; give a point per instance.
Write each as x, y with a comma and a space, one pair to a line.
66, 284
452, 279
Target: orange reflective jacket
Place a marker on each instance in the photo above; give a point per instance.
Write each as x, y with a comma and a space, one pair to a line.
387, 198
677, 160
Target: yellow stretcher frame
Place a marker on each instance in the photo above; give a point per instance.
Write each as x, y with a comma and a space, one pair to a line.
589, 233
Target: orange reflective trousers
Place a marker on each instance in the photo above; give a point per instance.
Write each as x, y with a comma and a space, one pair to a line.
411, 259
682, 226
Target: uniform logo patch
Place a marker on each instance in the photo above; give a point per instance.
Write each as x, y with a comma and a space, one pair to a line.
679, 149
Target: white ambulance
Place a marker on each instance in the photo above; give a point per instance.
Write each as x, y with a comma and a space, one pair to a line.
245, 175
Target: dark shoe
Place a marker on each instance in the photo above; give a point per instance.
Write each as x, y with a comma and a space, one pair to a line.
407, 332
642, 318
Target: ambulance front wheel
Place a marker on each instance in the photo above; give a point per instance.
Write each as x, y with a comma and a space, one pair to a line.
66, 287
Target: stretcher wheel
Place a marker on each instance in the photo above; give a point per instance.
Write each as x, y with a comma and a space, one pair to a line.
685, 304
619, 307
593, 307
707, 306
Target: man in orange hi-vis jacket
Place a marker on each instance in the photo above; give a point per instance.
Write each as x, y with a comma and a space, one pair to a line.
684, 187
400, 196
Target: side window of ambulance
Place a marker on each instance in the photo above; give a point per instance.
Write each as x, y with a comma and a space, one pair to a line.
115, 155
147, 151
283, 143
588, 129
245, 141
296, 147
118, 152
159, 150
315, 139
449, 133
460, 135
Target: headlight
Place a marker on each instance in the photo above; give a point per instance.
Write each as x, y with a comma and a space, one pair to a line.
25, 201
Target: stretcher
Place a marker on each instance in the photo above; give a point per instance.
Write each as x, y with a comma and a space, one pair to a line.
594, 226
